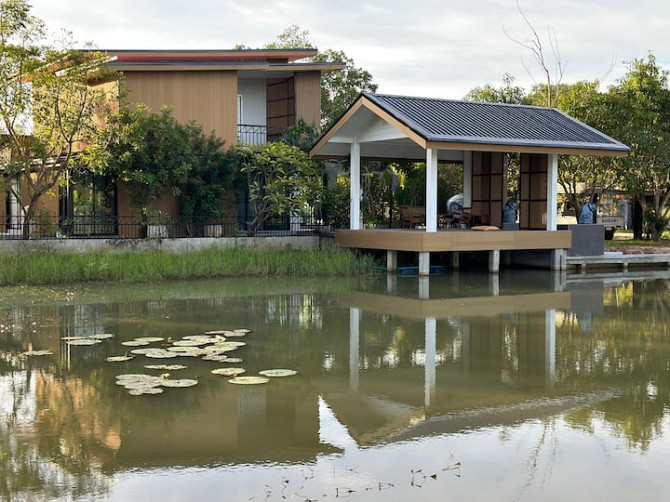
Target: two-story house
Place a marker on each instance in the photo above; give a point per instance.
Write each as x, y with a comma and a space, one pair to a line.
244, 96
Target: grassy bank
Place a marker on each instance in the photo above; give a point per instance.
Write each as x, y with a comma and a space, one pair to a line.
154, 266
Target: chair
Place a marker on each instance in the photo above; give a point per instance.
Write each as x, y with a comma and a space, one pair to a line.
465, 218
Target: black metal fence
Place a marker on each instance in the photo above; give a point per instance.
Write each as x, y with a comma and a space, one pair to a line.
134, 227
250, 134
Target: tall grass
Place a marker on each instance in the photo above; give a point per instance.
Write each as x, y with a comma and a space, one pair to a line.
155, 266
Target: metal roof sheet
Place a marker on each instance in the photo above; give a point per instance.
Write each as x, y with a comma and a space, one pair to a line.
443, 120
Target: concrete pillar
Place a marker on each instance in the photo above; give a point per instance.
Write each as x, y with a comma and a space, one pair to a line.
494, 284
391, 282
454, 260
494, 261
558, 259
355, 187
424, 263
391, 260
431, 190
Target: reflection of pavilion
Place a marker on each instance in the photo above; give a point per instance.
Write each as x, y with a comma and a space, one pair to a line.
376, 404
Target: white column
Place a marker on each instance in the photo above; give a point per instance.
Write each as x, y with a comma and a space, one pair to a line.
424, 263
431, 190
391, 260
429, 364
354, 340
424, 287
467, 179
552, 191
355, 187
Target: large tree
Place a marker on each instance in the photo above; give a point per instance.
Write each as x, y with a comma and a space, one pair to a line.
640, 105
49, 105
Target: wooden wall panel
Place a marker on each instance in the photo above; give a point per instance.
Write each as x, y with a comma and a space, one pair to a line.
308, 97
489, 187
208, 97
533, 191
280, 95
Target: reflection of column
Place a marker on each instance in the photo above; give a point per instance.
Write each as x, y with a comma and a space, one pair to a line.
465, 346
391, 283
558, 280
550, 346
354, 337
424, 288
494, 284
429, 383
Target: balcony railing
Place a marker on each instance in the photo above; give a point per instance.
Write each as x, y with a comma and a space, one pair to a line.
250, 134
134, 227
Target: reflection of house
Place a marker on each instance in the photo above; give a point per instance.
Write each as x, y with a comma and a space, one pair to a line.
245, 96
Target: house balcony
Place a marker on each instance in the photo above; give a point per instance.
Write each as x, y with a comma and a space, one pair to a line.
250, 134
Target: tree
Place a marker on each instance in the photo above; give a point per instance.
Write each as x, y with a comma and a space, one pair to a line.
150, 151
640, 106
339, 89
282, 180
49, 105
507, 93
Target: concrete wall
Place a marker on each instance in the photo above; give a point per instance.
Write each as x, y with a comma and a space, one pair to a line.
587, 239
20, 247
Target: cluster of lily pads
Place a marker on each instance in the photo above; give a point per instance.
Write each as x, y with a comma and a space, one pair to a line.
210, 346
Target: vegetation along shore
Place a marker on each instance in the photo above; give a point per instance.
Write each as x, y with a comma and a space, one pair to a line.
52, 268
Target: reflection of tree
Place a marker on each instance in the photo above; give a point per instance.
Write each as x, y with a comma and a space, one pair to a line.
624, 352
40, 461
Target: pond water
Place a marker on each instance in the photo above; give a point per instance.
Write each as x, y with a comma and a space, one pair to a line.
526, 386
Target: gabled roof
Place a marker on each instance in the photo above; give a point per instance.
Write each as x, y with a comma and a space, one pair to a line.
383, 123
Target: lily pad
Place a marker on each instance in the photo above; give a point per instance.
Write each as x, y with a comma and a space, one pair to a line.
160, 354
37, 353
228, 371
168, 367
83, 341
278, 372
234, 360
219, 358
183, 382
103, 336
249, 380
191, 343
244, 331
118, 359
150, 339
216, 332
134, 343
147, 390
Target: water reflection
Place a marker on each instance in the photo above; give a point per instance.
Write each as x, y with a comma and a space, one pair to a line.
400, 379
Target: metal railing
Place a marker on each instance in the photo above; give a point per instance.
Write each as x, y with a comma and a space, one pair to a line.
250, 134
134, 227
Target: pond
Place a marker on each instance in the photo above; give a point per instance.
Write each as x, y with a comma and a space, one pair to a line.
523, 386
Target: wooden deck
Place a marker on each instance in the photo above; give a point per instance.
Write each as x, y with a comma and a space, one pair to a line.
421, 241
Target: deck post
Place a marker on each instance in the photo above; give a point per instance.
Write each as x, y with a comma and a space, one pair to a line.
494, 261
355, 187
391, 260
424, 263
431, 190
558, 259
454, 260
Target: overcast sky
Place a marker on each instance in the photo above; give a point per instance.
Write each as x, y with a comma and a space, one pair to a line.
432, 48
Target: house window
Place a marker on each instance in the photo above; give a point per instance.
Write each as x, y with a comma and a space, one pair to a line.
12, 207
88, 204
240, 114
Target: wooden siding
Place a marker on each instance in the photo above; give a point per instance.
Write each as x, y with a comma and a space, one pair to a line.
308, 97
453, 240
533, 192
489, 187
208, 97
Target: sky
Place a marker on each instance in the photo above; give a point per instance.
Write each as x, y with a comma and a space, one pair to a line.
430, 48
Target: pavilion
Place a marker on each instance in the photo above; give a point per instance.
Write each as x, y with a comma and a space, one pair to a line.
478, 136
